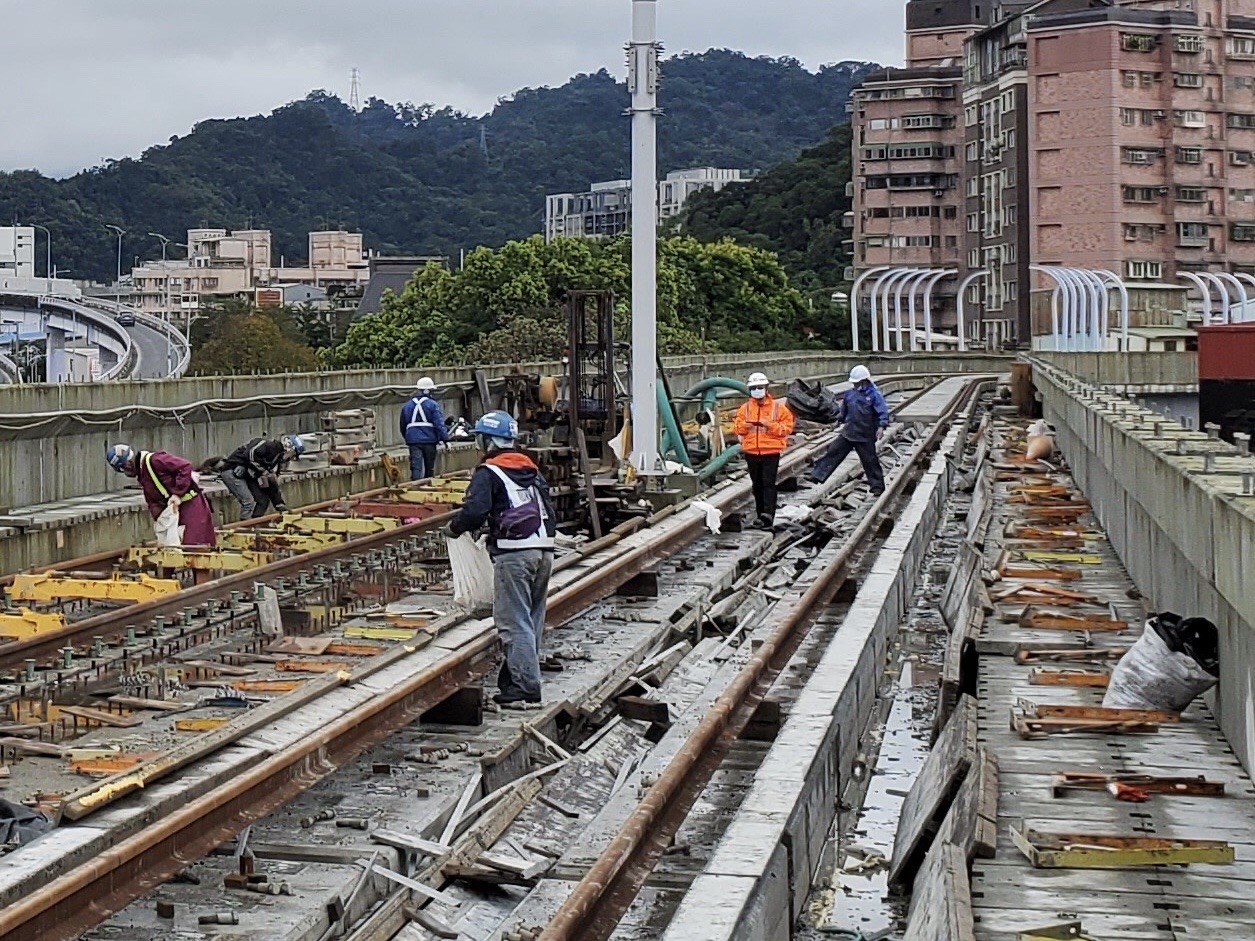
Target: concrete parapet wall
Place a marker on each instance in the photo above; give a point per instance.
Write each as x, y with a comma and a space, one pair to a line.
53, 437
1130, 372
1186, 535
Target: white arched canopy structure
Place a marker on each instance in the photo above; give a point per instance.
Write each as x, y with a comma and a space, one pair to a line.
858, 283
896, 294
1080, 307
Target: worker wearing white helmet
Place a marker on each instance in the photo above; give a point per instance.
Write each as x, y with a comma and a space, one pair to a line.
863, 416
763, 424
423, 428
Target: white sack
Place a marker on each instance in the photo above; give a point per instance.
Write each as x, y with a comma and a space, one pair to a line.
472, 572
1150, 676
167, 528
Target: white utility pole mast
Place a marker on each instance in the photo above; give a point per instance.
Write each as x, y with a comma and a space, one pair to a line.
643, 85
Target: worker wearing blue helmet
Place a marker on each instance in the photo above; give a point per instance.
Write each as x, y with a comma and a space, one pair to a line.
508, 493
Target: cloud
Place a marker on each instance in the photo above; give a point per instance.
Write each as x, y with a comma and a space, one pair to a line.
103, 80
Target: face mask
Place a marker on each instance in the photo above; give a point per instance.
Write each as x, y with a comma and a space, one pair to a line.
758, 393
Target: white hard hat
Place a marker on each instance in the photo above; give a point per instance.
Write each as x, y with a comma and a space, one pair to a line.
757, 379
859, 374
425, 384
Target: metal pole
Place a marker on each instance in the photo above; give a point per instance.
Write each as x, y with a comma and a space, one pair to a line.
1204, 290
1224, 294
858, 283
643, 86
928, 305
1124, 304
961, 308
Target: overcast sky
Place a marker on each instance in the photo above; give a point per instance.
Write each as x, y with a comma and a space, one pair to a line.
97, 79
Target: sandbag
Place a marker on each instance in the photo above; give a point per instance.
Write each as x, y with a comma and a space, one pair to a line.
472, 572
812, 402
1154, 676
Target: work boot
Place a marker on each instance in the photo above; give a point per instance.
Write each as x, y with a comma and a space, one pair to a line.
766, 522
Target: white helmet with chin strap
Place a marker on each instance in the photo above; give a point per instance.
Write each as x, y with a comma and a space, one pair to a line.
757, 385
860, 373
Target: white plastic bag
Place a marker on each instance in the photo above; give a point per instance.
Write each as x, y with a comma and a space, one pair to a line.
1152, 676
472, 572
167, 528
714, 517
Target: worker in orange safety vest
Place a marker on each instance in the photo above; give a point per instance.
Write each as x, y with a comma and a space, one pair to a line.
763, 424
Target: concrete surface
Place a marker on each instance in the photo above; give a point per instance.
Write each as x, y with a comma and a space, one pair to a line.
1130, 372
1187, 537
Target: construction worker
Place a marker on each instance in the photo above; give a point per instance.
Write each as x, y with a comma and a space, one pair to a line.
168, 481
863, 416
508, 492
763, 424
423, 428
251, 473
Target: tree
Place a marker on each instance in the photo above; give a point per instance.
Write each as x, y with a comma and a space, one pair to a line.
234, 336
509, 305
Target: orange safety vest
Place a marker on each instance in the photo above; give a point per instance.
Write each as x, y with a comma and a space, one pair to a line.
773, 435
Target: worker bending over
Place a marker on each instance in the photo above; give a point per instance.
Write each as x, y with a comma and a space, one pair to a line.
251, 473
863, 416
423, 428
763, 424
508, 492
168, 481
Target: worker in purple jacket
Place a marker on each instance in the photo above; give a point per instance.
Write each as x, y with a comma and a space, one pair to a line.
167, 480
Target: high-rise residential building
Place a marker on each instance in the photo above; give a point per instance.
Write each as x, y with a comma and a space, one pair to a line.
1117, 136
605, 210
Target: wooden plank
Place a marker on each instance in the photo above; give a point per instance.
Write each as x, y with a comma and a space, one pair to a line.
957, 669
941, 908
100, 716
1085, 679
956, 595
137, 702
1047, 850
407, 841
1152, 784
932, 793
212, 666
972, 822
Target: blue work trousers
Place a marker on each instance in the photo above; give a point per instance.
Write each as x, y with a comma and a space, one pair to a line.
839, 450
422, 461
520, 590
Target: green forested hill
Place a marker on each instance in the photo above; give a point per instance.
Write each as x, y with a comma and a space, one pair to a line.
421, 179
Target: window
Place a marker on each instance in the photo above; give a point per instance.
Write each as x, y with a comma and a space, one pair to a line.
1009, 253
1012, 289
1009, 215
973, 152
1190, 43
952, 241
1128, 116
1242, 47
1143, 270
973, 222
1138, 42
208, 283
973, 186
1128, 78
1191, 194
1190, 118
882, 124
973, 258
1192, 234
1188, 80
1242, 232
874, 153
1242, 81
1137, 232
1242, 195
1139, 156
1240, 121
970, 115
1010, 136
918, 241
927, 121
950, 212
1239, 158
1008, 177
1189, 155
1008, 101
1148, 79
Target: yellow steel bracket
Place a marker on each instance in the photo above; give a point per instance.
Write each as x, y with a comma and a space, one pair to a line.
437, 490
1047, 555
270, 540
52, 586
349, 525
27, 623
229, 560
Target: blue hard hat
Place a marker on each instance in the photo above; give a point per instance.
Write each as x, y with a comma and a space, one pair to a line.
497, 424
294, 443
118, 455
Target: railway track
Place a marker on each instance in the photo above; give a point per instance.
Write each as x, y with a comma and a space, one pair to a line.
333, 719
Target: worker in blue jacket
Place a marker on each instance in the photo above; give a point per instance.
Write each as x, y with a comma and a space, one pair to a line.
423, 428
863, 416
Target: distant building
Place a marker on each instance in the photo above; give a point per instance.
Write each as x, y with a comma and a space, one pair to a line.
606, 209
17, 251
392, 273
223, 264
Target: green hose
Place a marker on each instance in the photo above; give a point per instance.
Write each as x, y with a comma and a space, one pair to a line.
717, 463
672, 439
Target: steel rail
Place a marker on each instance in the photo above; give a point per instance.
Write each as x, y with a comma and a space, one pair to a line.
89, 893
594, 907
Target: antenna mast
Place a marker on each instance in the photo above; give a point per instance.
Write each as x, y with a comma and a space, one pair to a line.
355, 91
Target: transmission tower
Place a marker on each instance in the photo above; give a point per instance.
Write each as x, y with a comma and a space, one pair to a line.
355, 93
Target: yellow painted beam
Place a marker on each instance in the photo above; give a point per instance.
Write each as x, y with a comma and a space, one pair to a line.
53, 586
212, 560
27, 623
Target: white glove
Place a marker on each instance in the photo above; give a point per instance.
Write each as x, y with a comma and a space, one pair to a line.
173, 503
880, 433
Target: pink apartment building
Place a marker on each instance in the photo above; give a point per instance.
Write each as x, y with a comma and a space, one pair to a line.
1096, 135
